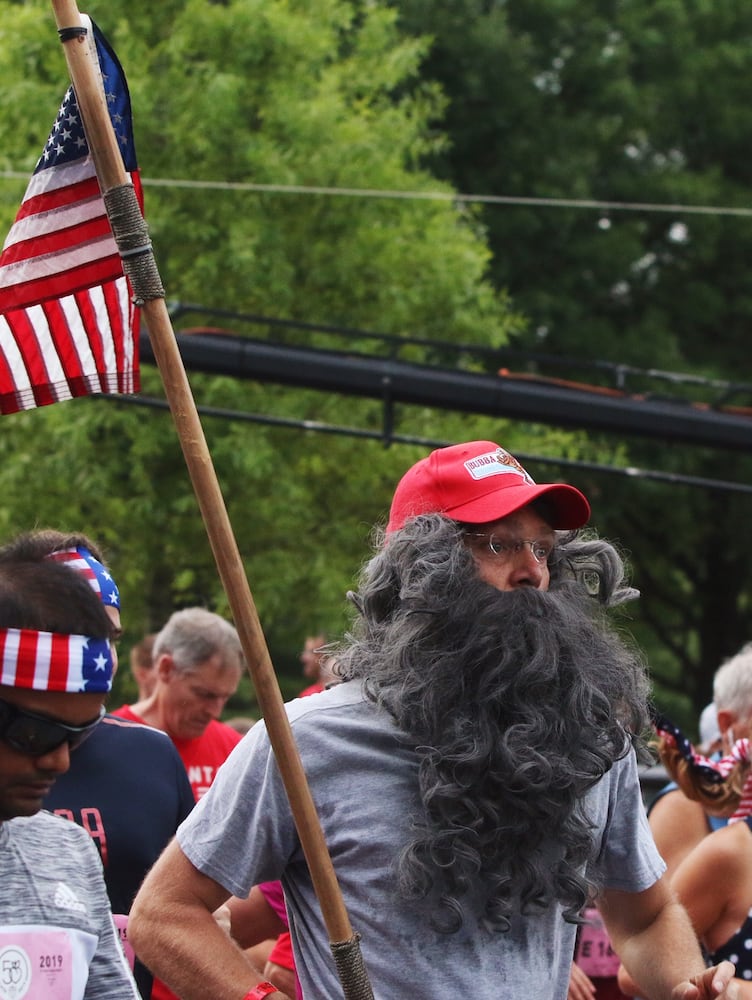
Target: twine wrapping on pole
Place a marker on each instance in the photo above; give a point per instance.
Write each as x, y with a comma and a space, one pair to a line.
132, 237
351, 968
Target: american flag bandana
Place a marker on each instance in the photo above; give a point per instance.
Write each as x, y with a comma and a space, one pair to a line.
50, 661
82, 561
713, 771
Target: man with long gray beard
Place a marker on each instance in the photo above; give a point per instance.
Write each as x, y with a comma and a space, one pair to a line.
474, 772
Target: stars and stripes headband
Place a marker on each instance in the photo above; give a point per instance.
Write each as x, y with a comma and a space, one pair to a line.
83, 562
712, 776
50, 661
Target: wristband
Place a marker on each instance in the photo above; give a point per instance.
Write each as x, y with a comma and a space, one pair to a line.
260, 990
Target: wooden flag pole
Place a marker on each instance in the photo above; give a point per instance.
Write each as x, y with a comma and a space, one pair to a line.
84, 73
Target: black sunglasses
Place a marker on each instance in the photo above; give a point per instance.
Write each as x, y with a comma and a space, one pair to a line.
37, 735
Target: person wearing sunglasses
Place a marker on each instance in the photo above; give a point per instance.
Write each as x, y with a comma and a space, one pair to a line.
126, 785
57, 936
474, 772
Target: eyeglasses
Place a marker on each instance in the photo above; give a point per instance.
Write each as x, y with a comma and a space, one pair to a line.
37, 735
506, 549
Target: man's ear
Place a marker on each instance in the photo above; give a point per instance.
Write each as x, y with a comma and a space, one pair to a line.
165, 667
726, 718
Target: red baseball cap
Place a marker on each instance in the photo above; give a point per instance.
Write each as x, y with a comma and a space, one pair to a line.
478, 482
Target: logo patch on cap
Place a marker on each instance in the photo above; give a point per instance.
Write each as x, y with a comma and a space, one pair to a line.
495, 463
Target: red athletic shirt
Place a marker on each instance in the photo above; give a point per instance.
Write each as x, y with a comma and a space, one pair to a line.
201, 756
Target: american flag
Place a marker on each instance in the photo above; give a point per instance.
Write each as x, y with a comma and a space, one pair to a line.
67, 324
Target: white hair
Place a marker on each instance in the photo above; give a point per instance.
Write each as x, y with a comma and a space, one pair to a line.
732, 684
193, 635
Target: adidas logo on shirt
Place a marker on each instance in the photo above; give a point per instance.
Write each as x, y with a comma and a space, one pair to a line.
66, 898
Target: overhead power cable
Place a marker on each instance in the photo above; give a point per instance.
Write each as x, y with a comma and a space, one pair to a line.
589, 204
319, 427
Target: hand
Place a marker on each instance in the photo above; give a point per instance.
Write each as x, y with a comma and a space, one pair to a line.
580, 985
282, 978
715, 982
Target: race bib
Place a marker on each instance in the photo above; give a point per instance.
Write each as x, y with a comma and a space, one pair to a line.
35, 965
595, 956
121, 922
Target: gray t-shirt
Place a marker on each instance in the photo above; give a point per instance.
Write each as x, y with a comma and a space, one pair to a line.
364, 783
57, 937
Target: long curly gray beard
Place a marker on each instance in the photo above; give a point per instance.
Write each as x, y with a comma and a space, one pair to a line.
516, 704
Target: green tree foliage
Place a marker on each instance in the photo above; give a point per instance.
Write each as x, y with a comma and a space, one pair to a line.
591, 99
